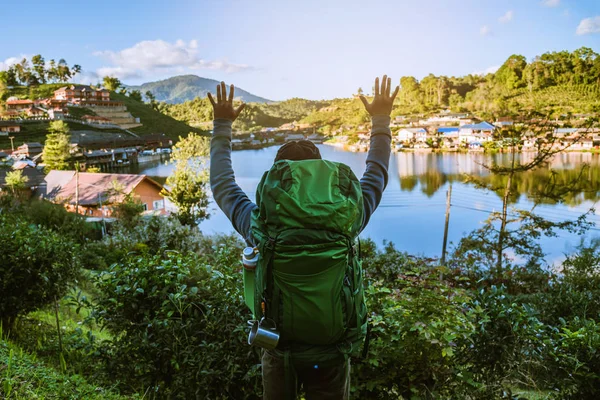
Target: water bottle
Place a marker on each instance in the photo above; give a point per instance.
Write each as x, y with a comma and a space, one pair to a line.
249, 261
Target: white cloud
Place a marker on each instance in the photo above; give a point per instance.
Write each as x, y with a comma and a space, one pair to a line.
152, 56
4, 65
485, 30
589, 25
489, 70
87, 78
550, 3
507, 17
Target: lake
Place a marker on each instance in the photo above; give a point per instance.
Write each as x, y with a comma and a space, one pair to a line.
412, 211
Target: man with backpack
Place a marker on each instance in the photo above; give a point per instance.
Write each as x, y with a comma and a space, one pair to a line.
308, 281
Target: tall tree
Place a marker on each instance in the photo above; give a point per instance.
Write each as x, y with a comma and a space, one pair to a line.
410, 90
57, 148
39, 67
111, 83
188, 182
63, 72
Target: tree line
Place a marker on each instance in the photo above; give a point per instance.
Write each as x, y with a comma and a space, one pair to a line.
37, 71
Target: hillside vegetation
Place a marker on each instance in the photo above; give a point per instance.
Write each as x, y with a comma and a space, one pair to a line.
553, 83
35, 131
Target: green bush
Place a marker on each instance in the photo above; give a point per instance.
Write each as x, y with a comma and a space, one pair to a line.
575, 360
508, 344
179, 326
575, 292
417, 323
36, 267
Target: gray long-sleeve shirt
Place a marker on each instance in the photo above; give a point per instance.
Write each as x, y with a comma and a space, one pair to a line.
238, 207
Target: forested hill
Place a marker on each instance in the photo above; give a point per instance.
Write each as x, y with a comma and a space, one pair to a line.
179, 89
553, 83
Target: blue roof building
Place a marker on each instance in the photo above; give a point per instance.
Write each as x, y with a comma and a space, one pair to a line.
482, 126
448, 130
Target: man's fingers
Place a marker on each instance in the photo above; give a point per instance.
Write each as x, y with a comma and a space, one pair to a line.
377, 86
383, 85
388, 87
231, 90
239, 109
212, 101
223, 92
364, 101
395, 93
218, 93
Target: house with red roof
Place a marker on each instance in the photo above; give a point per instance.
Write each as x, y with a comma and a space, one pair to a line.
13, 104
99, 192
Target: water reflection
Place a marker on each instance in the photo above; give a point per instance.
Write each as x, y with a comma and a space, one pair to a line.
411, 213
430, 172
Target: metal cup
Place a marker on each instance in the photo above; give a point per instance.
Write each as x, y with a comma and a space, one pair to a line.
264, 334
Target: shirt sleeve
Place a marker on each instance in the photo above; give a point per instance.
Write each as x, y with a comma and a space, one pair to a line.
375, 178
230, 198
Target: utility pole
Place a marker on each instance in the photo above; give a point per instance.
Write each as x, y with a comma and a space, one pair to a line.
448, 199
77, 187
12, 144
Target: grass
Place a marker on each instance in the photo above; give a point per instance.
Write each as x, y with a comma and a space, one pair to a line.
35, 340
154, 121
23, 376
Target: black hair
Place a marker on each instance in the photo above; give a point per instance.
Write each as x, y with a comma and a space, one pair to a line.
298, 150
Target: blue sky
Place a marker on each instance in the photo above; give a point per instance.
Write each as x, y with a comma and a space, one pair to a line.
280, 49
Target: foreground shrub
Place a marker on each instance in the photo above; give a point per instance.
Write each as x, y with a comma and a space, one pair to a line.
179, 326
507, 345
575, 360
153, 235
575, 291
416, 323
36, 267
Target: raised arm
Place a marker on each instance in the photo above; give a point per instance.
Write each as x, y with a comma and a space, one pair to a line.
375, 178
229, 196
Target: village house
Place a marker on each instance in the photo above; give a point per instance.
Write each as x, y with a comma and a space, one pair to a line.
445, 119
29, 150
56, 113
94, 189
34, 111
76, 93
14, 104
481, 132
503, 122
409, 134
449, 136
7, 127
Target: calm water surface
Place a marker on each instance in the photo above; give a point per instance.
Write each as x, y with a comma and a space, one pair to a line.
412, 212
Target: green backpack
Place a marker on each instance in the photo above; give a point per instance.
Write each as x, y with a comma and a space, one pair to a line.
309, 276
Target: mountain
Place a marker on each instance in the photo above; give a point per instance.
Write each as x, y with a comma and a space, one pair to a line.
179, 89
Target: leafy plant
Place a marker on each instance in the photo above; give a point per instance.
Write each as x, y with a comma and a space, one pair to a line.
36, 267
179, 327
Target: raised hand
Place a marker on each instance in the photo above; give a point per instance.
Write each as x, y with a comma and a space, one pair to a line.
382, 102
223, 107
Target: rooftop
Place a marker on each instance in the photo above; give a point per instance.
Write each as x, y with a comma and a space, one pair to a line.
61, 186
